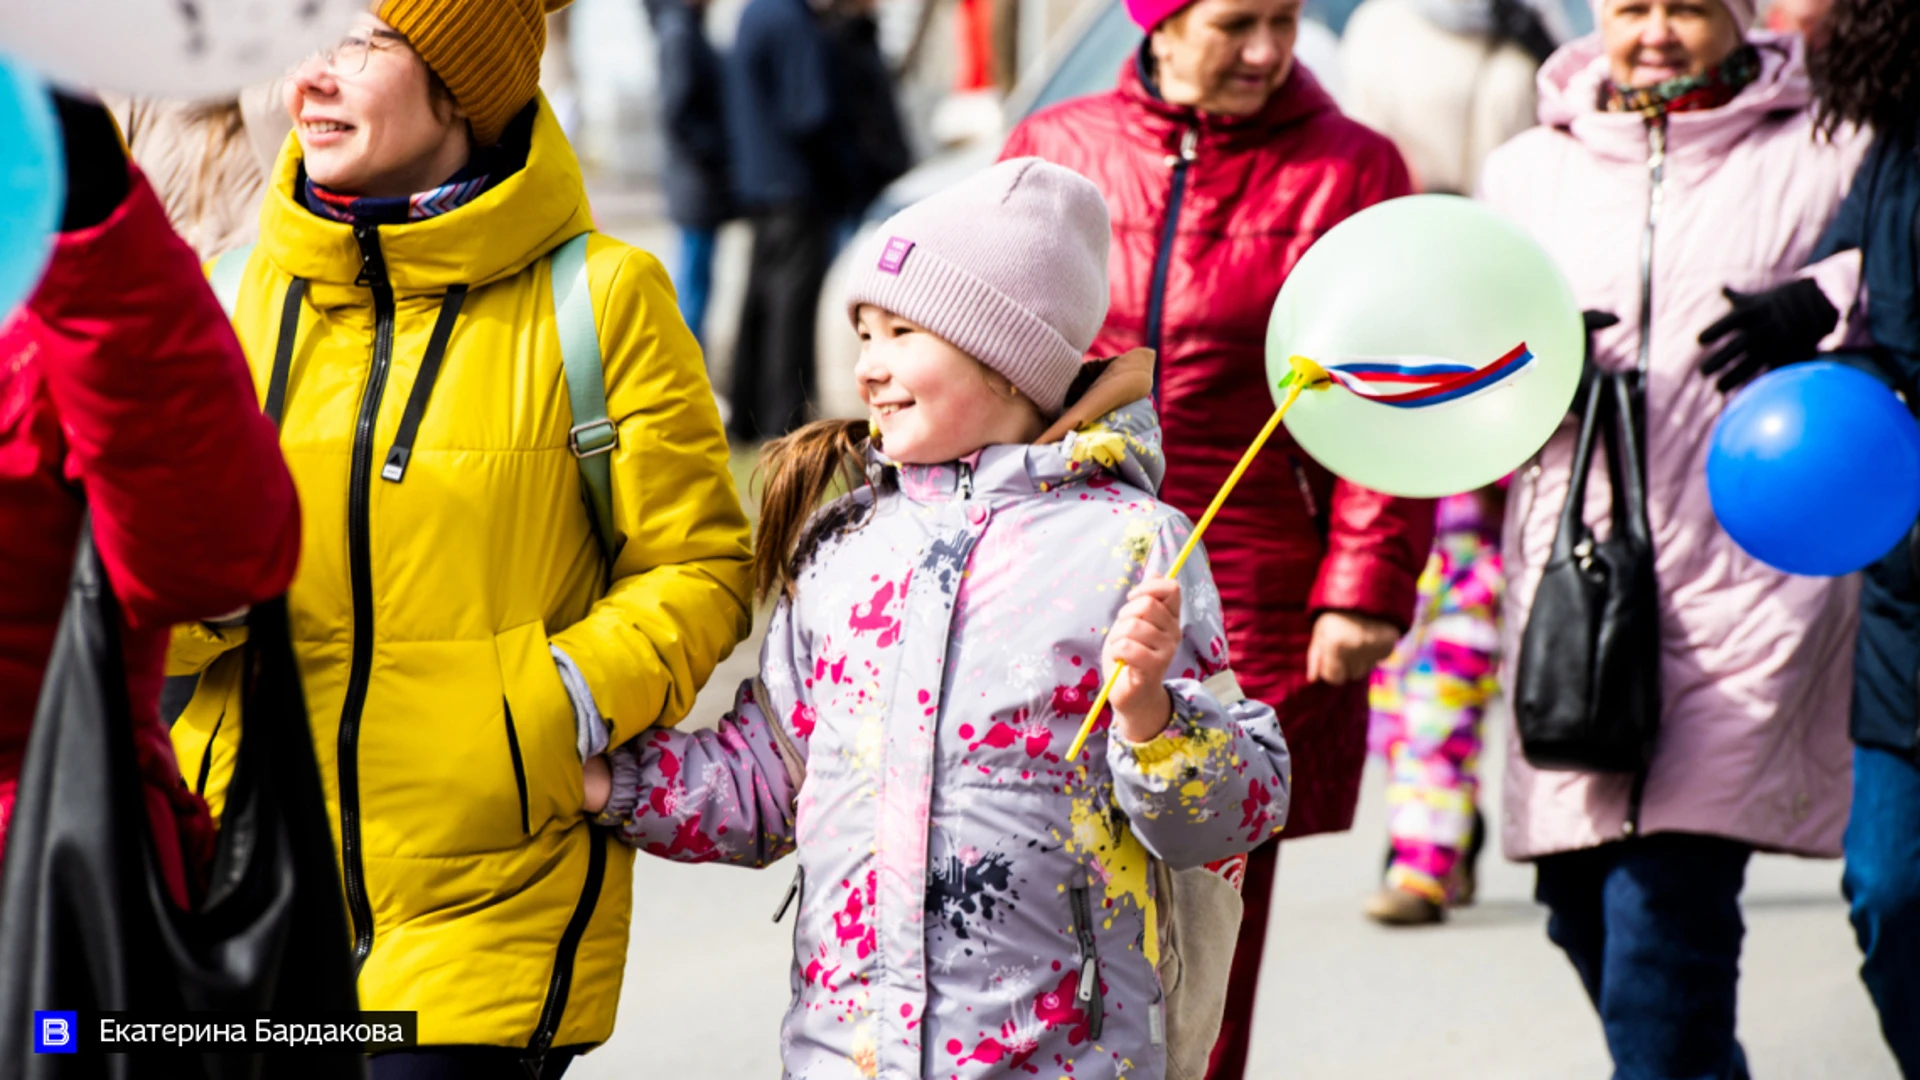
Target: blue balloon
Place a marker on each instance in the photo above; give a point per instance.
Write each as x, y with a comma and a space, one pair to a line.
33, 182
1815, 469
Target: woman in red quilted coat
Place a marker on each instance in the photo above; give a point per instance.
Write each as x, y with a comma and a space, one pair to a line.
1222, 161
123, 390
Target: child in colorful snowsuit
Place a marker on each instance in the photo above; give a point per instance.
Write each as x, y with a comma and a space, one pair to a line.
972, 903
1428, 702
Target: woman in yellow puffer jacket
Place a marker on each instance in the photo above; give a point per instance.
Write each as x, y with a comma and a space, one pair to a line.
462, 640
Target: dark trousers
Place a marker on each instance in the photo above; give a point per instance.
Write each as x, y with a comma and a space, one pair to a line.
1882, 883
1229, 1060
773, 374
470, 1063
1653, 927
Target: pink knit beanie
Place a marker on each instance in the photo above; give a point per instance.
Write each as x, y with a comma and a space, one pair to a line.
1742, 11
1010, 265
1151, 13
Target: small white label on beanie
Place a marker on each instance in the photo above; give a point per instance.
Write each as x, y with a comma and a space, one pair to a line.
894, 257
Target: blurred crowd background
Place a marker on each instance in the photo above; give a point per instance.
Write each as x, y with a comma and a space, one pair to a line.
933, 86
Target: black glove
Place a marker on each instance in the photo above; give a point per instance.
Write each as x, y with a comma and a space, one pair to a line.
1594, 320
96, 162
1767, 330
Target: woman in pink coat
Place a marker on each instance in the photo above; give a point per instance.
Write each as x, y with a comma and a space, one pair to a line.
1675, 171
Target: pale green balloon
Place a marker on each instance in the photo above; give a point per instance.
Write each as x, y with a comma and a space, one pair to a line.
1428, 277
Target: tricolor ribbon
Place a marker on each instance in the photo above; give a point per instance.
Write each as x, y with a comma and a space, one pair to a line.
1403, 383
1432, 382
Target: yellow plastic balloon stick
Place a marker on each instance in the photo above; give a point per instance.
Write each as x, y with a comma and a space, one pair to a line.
1306, 375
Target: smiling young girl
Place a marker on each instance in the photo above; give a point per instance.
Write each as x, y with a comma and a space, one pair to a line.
971, 902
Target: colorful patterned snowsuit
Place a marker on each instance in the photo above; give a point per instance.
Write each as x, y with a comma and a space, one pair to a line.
970, 903
1429, 697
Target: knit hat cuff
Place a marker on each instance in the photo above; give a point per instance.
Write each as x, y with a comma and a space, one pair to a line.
977, 319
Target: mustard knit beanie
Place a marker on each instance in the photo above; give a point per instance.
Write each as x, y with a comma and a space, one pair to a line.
486, 51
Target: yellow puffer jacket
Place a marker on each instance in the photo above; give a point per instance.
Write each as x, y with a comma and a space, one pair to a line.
423, 609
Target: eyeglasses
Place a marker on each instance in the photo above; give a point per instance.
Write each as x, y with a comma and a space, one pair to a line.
349, 57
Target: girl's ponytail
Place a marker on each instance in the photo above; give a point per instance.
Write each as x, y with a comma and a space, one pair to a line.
800, 470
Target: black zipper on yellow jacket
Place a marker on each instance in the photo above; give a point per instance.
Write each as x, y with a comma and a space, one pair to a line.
373, 274
560, 981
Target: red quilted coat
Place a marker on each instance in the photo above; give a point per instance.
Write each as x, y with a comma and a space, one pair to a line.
1210, 214
122, 387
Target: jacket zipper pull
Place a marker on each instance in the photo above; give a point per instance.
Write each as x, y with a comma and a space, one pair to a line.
1089, 974
965, 484
373, 262
1189, 148
793, 892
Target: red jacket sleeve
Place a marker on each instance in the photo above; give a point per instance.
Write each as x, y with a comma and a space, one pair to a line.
1377, 545
193, 509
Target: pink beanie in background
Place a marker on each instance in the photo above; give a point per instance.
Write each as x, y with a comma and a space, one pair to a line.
1742, 11
1151, 13
1009, 265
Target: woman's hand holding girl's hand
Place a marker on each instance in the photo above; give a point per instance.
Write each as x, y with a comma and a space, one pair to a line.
1145, 636
599, 783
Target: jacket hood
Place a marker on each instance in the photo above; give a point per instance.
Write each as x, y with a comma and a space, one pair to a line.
1298, 99
1571, 80
1122, 445
492, 238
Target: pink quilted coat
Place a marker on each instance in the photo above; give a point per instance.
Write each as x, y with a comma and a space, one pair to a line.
1756, 665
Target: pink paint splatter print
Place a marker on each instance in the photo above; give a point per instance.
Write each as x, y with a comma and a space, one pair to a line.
849, 923
1023, 726
876, 617
1011, 1047
1057, 1008
1256, 811
1075, 700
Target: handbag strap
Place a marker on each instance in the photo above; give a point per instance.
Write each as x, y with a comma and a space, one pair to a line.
1573, 520
1612, 418
1626, 461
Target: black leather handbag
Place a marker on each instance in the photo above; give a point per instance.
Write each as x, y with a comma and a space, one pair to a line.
1588, 693
86, 921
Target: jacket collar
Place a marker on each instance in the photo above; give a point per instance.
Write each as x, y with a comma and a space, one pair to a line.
1571, 80
490, 239
1122, 445
1299, 99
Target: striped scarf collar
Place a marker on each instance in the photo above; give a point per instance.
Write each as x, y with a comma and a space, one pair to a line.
1686, 93
488, 167
396, 209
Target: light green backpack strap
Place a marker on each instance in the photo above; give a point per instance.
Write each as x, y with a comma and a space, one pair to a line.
228, 269
593, 437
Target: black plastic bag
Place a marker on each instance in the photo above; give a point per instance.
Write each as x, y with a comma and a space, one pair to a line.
86, 921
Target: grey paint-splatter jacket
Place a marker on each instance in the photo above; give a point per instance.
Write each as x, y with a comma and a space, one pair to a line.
971, 904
